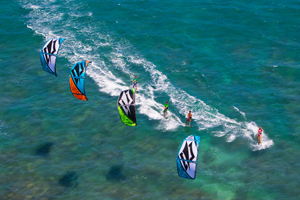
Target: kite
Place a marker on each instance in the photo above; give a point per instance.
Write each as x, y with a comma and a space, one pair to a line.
49, 53
76, 79
187, 157
126, 107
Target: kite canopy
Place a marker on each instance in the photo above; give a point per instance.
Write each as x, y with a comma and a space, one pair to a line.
77, 76
126, 107
187, 157
49, 53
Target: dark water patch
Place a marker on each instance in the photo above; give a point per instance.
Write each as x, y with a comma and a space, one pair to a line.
176, 192
69, 180
188, 130
115, 173
217, 141
256, 154
241, 193
208, 157
153, 173
238, 144
44, 149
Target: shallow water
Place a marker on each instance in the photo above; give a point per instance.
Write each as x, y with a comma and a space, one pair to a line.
233, 64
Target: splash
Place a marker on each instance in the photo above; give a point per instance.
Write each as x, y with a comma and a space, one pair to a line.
266, 142
242, 113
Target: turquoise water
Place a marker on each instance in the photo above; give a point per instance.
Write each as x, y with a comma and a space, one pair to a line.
234, 64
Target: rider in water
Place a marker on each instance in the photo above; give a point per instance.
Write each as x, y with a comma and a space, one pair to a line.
166, 107
189, 118
135, 81
259, 132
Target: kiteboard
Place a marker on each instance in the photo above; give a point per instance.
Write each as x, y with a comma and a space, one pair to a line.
188, 126
187, 157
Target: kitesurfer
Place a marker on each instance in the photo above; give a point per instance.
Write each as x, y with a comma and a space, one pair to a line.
259, 132
189, 118
135, 81
166, 107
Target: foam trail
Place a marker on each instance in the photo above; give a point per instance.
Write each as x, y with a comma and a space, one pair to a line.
204, 115
44, 15
74, 50
266, 142
242, 113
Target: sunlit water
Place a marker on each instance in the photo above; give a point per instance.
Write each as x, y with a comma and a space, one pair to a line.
234, 64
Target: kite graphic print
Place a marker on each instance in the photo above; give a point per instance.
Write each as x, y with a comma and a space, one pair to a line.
126, 107
49, 53
77, 80
187, 157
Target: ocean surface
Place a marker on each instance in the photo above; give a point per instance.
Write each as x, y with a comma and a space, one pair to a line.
235, 64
